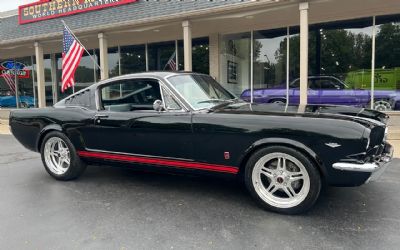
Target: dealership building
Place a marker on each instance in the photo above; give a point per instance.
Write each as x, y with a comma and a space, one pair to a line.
347, 47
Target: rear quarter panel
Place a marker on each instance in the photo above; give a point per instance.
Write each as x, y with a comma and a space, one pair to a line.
30, 125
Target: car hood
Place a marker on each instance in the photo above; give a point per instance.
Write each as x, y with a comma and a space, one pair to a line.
360, 115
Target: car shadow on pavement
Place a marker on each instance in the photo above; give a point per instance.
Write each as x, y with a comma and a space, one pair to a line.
230, 193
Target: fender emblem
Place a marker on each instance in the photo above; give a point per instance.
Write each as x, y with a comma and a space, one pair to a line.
333, 144
227, 155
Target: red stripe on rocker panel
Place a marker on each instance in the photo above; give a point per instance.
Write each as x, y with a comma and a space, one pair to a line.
160, 161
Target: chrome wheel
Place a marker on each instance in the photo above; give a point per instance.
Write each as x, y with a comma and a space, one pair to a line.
279, 102
382, 105
281, 180
57, 155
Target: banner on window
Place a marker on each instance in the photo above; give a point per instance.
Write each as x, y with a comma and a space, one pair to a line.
11, 68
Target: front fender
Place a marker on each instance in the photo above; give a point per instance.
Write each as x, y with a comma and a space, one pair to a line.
284, 142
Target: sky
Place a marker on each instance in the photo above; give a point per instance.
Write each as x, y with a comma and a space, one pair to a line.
13, 4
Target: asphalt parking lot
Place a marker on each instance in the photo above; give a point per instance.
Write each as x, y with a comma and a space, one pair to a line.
113, 208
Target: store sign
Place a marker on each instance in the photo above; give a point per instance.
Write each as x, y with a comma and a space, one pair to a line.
48, 9
10, 68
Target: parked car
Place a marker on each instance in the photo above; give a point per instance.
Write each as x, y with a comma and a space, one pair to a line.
187, 122
11, 101
324, 90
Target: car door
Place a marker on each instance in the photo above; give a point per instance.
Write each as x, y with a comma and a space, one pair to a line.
334, 92
294, 92
313, 91
128, 124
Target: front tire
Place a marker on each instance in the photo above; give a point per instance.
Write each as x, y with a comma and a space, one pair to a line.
282, 180
59, 157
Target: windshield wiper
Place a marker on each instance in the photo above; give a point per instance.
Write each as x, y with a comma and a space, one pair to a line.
213, 100
225, 103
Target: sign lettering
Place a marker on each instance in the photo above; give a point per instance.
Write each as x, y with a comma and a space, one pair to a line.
11, 68
48, 9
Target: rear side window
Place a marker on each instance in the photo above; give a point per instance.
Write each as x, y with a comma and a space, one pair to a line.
130, 95
81, 99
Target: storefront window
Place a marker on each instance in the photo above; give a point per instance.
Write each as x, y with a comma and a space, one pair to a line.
86, 74
133, 60
294, 55
48, 81
235, 62
387, 64
340, 63
10, 84
181, 58
200, 55
270, 59
25, 83
113, 62
68, 91
160, 55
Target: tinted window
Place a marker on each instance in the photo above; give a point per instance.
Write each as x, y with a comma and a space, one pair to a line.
314, 84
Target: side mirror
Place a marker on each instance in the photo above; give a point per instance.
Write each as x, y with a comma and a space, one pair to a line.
158, 105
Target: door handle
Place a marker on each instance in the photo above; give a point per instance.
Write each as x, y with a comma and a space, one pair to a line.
99, 116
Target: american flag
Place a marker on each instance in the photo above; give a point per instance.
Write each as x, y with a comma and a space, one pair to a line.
10, 82
71, 57
171, 62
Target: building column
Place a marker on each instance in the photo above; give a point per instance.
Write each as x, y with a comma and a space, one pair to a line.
303, 7
40, 75
187, 45
213, 48
103, 47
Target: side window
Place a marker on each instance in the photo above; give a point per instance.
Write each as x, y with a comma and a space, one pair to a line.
295, 84
328, 84
170, 102
314, 84
130, 95
81, 98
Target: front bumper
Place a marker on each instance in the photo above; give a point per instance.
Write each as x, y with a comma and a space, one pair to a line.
376, 168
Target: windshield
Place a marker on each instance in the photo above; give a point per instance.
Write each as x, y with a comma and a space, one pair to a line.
201, 91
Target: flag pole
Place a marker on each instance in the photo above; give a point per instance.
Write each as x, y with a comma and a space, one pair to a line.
72, 33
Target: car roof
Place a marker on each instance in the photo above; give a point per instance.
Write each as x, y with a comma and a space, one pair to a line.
158, 74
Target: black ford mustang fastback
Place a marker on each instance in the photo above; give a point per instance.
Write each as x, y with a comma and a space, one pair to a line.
187, 122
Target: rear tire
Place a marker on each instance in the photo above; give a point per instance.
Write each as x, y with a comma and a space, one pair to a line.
283, 180
278, 101
59, 157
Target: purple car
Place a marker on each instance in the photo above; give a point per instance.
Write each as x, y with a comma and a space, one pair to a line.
325, 90
395, 102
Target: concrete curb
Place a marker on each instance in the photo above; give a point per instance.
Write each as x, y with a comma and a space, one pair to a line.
4, 129
4, 114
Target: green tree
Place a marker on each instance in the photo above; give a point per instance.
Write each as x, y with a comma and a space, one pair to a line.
388, 46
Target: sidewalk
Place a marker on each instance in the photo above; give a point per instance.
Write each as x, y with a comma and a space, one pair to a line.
4, 130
